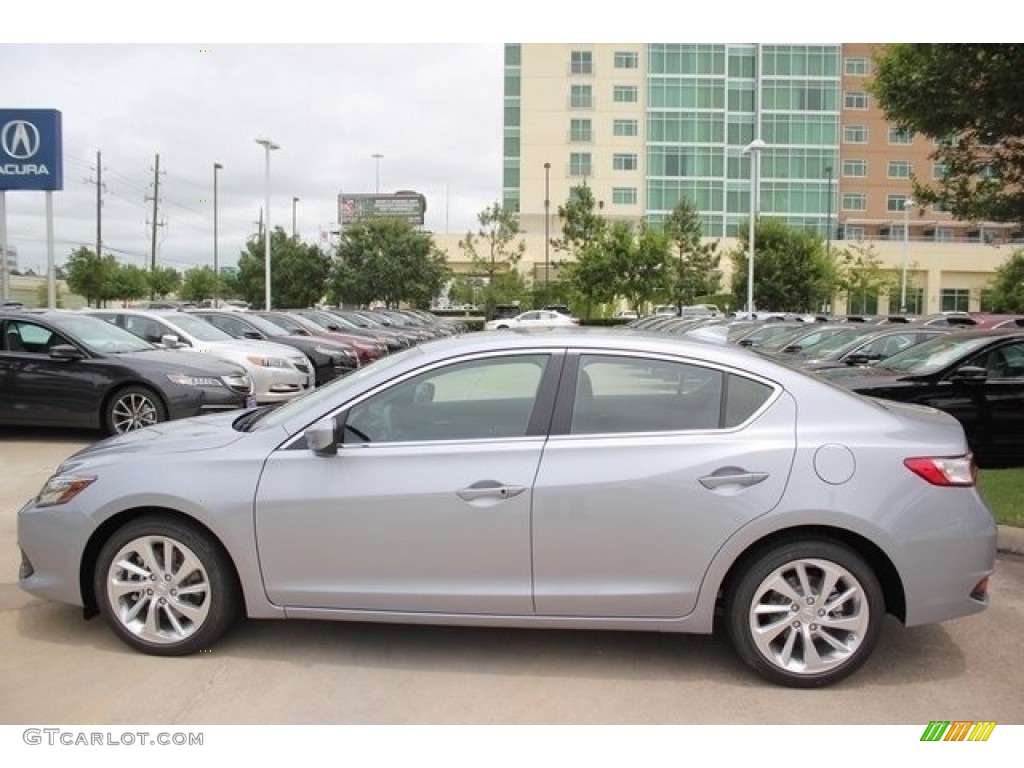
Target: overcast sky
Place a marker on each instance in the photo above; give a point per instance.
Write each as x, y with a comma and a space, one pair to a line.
331, 84
433, 111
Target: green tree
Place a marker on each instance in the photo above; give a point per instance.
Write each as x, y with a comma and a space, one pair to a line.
386, 260
582, 223
967, 97
639, 262
593, 274
89, 275
198, 284
861, 274
163, 281
1007, 287
696, 271
791, 271
298, 272
127, 282
495, 252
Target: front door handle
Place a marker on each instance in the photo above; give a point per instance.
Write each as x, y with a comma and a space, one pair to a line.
488, 489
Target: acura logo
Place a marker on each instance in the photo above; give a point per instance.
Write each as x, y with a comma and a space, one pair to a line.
20, 139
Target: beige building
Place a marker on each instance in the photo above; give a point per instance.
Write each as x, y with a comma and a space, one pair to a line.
644, 125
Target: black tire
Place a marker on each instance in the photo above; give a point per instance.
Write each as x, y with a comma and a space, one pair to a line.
165, 586
785, 620
131, 408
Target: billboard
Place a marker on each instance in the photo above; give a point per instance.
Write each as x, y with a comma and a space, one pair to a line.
410, 206
30, 149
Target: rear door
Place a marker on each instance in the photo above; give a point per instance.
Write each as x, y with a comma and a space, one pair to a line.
652, 464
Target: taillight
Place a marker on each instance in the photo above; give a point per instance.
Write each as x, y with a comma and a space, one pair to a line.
942, 470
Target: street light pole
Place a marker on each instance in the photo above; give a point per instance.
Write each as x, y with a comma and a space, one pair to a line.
547, 225
216, 268
907, 205
828, 223
295, 231
753, 149
268, 146
377, 156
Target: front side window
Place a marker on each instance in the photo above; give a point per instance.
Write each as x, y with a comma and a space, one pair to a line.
624, 394
21, 336
471, 400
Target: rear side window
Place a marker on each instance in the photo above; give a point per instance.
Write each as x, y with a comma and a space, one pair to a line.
627, 394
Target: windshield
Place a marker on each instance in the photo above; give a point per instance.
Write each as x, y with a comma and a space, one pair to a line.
933, 355
309, 405
99, 335
264, 325
837, 342
196, 327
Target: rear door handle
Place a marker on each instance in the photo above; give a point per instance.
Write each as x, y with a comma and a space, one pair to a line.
732, 477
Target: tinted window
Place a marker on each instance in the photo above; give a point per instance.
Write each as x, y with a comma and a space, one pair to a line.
626, 394
478, 399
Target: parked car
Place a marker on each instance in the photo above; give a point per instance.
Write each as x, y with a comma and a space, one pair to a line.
841, 350
367, 349
535, 318
335, 322
66, 369
791, 513
330, 358
278, 373
976, 376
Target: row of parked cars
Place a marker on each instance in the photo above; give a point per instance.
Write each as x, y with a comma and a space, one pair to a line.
122, 369
969, 366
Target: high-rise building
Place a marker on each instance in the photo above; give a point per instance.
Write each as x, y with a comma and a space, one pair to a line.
645, 125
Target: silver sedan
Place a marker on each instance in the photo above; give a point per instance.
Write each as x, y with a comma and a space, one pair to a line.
604, 480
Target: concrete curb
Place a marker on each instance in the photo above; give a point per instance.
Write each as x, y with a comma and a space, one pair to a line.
1010, 540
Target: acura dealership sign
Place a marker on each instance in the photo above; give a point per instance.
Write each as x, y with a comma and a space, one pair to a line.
30, 149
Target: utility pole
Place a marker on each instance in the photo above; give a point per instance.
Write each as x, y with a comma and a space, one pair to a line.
156, 200
99, 207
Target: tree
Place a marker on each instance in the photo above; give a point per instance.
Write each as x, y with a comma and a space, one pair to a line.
582, 223
640, 262
696, 271
89, 275
198, 284
127, 282
298, 272
1007, 287
163, 281
968, 97
386, 260
791, 271
495, 251
860, 274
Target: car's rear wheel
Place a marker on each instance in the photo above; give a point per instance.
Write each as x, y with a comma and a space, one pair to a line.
133, 408
806, 613
165, 586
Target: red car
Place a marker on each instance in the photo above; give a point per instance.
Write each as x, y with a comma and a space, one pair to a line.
366, 349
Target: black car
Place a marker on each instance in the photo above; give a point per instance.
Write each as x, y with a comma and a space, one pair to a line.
977, 376
67, 369
874, 343
330, 358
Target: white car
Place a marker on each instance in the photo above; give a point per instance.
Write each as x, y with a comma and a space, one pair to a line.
278, 372
536, 318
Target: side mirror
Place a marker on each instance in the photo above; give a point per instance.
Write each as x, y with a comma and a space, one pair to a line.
65, 352
321, 438
171, 341
858, 358
252, 335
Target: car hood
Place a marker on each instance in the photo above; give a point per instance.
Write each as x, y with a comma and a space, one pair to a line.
182, 361
201, 433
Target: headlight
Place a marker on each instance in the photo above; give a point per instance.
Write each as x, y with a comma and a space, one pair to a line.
268, 362
195, 381
60, 489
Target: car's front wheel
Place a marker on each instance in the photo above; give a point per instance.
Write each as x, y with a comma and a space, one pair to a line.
133, 408
806, 613
165, 586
